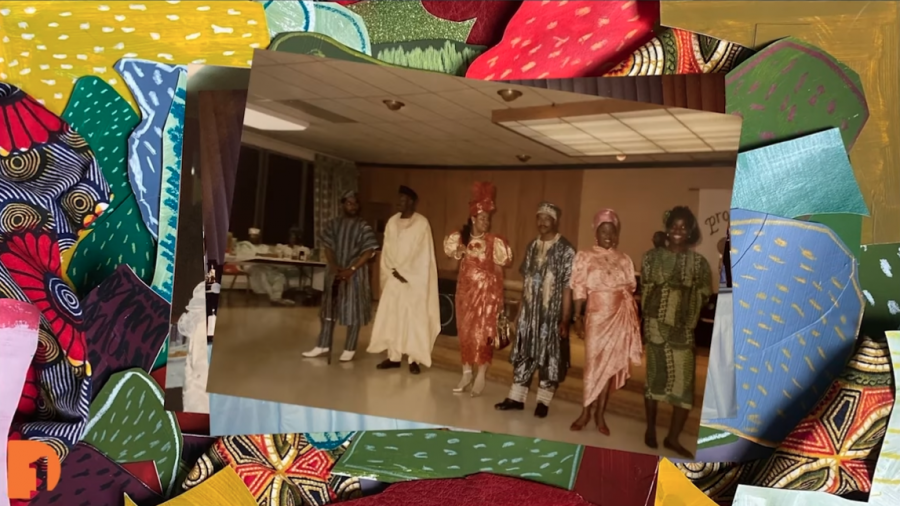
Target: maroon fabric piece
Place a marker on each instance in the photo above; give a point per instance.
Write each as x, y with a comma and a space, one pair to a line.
193, 447
88, 478
613, 478
126, 324
146, 472
491, 16
479, 489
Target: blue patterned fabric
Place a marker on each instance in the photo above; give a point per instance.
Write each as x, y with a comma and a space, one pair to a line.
797, 310
153, 86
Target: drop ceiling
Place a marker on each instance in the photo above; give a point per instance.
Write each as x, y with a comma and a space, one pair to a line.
453, 121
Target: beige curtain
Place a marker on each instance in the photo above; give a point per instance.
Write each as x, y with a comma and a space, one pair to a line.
333, 177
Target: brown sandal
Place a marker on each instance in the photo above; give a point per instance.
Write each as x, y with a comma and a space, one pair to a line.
677, 448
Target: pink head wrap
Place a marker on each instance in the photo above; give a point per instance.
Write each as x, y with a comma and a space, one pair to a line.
606, 216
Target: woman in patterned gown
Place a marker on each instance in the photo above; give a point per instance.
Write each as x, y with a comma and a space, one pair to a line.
479, 287
676, 282
603, 278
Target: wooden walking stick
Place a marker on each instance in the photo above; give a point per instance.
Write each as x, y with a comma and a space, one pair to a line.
335, 287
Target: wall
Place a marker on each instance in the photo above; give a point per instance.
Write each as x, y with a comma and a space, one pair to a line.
639, 196
444, 199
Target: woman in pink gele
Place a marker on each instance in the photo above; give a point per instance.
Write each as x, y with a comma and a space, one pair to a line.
603, 278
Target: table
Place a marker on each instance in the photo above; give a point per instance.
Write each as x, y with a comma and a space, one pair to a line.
304, 266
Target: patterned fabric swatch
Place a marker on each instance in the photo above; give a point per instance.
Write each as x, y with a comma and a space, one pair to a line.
431, 454
173, 135
225, 488
407, 21
676, 51
790, 89
46, 165
279, 469
833, 449
129, 423
153, 86
797, 309
54, 401
480, 489
90, 477
559, 40
879, 276
118, 236
125, 325
56, 41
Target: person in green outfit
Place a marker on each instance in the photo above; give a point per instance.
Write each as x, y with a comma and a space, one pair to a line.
676, 282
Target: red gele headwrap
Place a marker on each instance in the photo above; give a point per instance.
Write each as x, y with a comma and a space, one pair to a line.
483, 194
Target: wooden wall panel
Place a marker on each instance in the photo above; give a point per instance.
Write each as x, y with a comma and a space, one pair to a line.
444, 199
705, 92
863, 35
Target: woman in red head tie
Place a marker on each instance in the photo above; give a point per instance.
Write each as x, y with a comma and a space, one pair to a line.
603, 280
479, 288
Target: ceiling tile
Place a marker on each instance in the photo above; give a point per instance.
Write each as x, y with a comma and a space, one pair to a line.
474, 100
440, 106
447, 120
334, 77
390, 83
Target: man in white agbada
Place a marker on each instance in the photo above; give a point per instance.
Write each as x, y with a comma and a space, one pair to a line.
408, 318
269, 280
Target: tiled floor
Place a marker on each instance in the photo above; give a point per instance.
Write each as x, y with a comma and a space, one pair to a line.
257, 354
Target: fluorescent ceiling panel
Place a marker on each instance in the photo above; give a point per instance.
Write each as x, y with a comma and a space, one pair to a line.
260, 119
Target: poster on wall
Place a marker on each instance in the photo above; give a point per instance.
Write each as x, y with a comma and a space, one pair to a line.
714, 208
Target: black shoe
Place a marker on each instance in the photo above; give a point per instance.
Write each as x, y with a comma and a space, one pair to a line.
508, 405
388, 364
541, 410
414, 368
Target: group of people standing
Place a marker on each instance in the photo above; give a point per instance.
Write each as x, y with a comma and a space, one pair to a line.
589, 293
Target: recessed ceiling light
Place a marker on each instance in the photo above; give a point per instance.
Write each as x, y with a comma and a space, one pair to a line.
621, 158
394, 105
509, 94
260, 119
523, 158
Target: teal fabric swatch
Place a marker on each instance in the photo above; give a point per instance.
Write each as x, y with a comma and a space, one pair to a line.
803, 176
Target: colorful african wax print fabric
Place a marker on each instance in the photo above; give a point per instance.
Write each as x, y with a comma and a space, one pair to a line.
50, 189
48, 173
674, 288
833, 449
280, 469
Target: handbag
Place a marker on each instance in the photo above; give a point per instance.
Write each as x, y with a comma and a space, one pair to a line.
504, 330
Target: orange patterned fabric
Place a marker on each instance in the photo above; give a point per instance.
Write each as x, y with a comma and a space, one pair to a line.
479, 293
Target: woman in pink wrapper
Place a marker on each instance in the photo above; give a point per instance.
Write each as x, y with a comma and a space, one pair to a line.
603, 277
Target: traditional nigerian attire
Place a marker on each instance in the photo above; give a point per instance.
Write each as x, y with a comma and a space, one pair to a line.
265, 279
348, 238
408, 319
674, 288
546, 271
612, 332
479, 293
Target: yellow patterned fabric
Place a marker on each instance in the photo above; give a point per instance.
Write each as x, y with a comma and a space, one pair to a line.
47, 45
674, 489
224, 488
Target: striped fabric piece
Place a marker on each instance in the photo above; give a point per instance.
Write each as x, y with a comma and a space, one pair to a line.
349, 238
